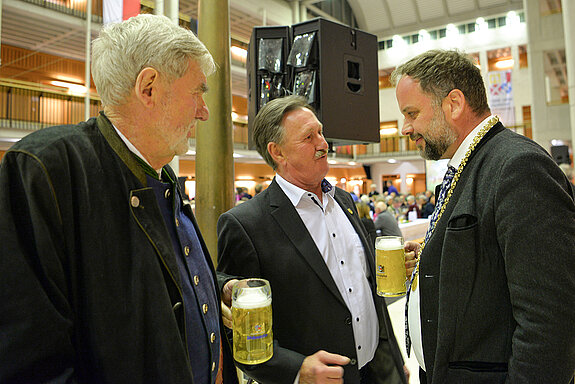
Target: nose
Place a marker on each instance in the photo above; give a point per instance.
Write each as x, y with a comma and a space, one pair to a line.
322, 143
202, 111
406, 129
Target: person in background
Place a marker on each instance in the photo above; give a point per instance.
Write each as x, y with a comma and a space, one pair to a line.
304, 236
492, 297
105, 277
385, 223
391, 188
412, 205
258, 188
373, 191
364, 211
427, 206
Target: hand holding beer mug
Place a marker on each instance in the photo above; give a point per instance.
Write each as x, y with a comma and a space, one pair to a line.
252, 321
390, 266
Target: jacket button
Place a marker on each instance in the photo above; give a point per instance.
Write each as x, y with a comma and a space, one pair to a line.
135, 202
212, 337
167, 193
187, 250
205, 308
348, 321
177, 305
353, 362
196, 279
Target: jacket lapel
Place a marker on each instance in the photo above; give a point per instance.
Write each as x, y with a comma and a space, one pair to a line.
287, 218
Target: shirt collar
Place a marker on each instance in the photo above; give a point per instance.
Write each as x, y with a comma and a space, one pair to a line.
134, 150
458, 156
295, 193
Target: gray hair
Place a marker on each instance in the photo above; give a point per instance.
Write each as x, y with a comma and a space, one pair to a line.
268, 124
123, 49
439, 72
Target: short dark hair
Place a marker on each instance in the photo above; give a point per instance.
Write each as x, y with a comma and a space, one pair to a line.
440, 71
268, 123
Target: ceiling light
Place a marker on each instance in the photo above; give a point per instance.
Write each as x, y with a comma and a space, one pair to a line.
387, 131
73, 88
504, 64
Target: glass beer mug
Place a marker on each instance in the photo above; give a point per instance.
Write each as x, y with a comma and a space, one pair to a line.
390, 266
252, 321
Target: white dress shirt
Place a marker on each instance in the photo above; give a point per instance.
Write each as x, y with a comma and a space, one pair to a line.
343, 253
413, 311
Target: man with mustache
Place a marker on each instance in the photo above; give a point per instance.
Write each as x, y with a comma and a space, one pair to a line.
492, 298
305, 237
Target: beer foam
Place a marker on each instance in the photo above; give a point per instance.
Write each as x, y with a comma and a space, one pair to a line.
252, 299
389, 244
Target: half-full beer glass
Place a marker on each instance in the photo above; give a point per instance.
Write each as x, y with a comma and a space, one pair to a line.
390, 266
252, 321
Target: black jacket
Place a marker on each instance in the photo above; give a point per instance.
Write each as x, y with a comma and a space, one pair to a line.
89, 286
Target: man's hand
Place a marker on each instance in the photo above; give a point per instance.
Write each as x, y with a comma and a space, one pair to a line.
227, 302
411, 252
322, 367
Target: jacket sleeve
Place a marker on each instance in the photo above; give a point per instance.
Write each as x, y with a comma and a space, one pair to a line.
36, 317
238, 256
535, 219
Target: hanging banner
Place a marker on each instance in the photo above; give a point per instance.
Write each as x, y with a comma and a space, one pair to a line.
115, 11
500, 96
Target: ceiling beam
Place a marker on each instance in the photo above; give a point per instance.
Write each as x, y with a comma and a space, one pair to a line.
444, 20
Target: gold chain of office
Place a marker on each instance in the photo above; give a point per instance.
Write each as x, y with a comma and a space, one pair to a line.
474, 143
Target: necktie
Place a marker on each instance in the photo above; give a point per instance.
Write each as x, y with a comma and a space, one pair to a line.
445, 185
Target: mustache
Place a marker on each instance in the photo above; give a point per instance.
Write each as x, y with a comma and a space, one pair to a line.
320, 153
415, 136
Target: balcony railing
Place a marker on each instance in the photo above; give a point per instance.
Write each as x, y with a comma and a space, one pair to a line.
30, 107
27, 106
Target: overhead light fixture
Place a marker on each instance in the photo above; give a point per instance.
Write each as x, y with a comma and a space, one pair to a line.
238, 53
481, 24
504, 64
424, 36
388, 131
451, 31
392, 161
73, 88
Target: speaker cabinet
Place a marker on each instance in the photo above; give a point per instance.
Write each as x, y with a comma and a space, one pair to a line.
332, 65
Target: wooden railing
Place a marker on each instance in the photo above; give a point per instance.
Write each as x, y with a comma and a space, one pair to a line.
31, 107
71, 7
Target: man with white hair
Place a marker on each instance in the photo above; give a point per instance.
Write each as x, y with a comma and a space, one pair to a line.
105, 277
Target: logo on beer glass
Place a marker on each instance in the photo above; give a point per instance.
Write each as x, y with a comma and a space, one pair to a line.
252, 321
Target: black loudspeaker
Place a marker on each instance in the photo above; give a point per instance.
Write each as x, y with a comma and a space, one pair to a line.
332, 65
347, 80
367, 169
560, 154
267, 70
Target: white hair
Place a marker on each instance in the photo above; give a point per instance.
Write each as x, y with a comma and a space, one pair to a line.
123, 49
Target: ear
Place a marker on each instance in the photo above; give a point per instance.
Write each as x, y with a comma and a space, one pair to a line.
454, 104
276, 153
146, 86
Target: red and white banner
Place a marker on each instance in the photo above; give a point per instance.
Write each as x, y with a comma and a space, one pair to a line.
500, 96
116, 11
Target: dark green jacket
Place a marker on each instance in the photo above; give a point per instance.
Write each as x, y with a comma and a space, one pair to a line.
89, 285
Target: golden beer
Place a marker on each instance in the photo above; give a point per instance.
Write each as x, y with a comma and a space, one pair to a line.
390, 266
252, 321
